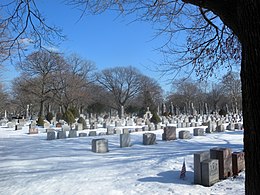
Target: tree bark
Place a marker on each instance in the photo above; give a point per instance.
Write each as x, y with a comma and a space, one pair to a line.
242, 17
249, 36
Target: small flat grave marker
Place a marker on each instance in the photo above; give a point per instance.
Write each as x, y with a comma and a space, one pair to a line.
210, 172
100, 145
61, 135
198, 158
184, 134
149, 138
224, 156
169, 133
51, 135
238, 162
198, 131
125, 140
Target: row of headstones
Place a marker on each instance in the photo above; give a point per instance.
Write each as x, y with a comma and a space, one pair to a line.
181, 121
217, 164
148, 138
169, 133
101, 145
52, 134
219, 126
200, 118
16, 123
111, 130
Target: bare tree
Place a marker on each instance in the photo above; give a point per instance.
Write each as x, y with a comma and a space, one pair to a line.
23, 94
38, 70
3, 100
186, 95
71, 82
123, 82
23, 26
232, 86
3, 45
215, 97
150, 95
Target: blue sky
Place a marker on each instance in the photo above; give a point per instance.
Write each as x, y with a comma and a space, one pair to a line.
105, 39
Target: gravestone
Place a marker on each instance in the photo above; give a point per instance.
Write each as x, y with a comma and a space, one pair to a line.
145, 128
100, 145
138, 130
219, 122
92, 133
231, 126
238, 126
211, 127
148, 115
102, 133
169, 133
156, 126
139, 121
83, 134
220, 128
184, 134
149, 138
65, 128
238, 162
51, 135
61, 135
192, 124
210, 172
198, 158
224, 156
46, 125
125, 140
131, 130
72, 134
33, 130
49, 130
117, 131
125, 131
151, 127
198, 131
110, 130
93, 125
79, 127
105, 125
130, 122
118, 124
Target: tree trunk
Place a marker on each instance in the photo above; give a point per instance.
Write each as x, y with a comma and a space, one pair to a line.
249, 36
41, 111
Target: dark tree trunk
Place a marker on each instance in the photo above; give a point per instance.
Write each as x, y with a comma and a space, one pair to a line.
41, 111
249, 36
242, 16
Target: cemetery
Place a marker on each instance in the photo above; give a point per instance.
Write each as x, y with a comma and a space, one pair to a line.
111, 135
168, 107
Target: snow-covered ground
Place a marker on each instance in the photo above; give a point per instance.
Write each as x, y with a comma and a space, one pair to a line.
30, 164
